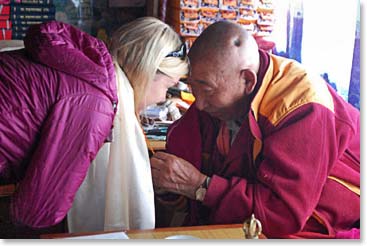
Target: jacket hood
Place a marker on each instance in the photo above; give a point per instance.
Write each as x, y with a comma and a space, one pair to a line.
68, 49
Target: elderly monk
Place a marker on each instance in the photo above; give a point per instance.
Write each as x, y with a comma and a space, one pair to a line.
264, 136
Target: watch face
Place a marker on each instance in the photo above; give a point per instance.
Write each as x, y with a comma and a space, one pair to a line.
200, 194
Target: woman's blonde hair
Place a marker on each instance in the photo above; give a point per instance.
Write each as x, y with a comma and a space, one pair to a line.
140, 47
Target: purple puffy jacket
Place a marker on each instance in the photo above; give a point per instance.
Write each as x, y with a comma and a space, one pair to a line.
57, 104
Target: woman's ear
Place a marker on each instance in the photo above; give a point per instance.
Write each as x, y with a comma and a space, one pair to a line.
249, 77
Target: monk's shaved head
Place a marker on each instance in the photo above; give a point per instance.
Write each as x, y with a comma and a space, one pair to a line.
224, 43
223, 73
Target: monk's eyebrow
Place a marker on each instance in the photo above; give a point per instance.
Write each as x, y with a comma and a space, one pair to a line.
199, 82
203, 82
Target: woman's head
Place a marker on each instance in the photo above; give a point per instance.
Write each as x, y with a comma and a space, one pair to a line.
143, 48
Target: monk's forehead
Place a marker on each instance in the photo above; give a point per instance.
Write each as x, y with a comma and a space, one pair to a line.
214, 56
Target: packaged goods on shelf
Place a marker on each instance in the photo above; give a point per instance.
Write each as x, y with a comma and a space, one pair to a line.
210, 3
190, 3
191, 17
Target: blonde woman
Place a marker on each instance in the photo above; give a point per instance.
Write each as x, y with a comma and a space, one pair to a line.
117, 193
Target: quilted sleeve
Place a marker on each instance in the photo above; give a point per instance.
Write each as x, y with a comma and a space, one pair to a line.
73, 133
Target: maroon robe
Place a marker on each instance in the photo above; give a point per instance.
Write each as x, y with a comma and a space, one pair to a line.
295, 162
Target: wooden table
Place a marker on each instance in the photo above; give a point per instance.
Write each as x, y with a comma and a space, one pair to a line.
233, 231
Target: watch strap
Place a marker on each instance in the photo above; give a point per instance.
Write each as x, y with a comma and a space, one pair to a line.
201, 191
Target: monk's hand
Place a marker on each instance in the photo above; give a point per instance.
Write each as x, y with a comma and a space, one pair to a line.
173, 174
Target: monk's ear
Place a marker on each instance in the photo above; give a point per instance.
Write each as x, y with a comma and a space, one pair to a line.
250, 79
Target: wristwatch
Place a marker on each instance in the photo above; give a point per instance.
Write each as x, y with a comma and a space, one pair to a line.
201, 191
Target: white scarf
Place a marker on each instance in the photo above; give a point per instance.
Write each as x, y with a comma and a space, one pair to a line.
118, 190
